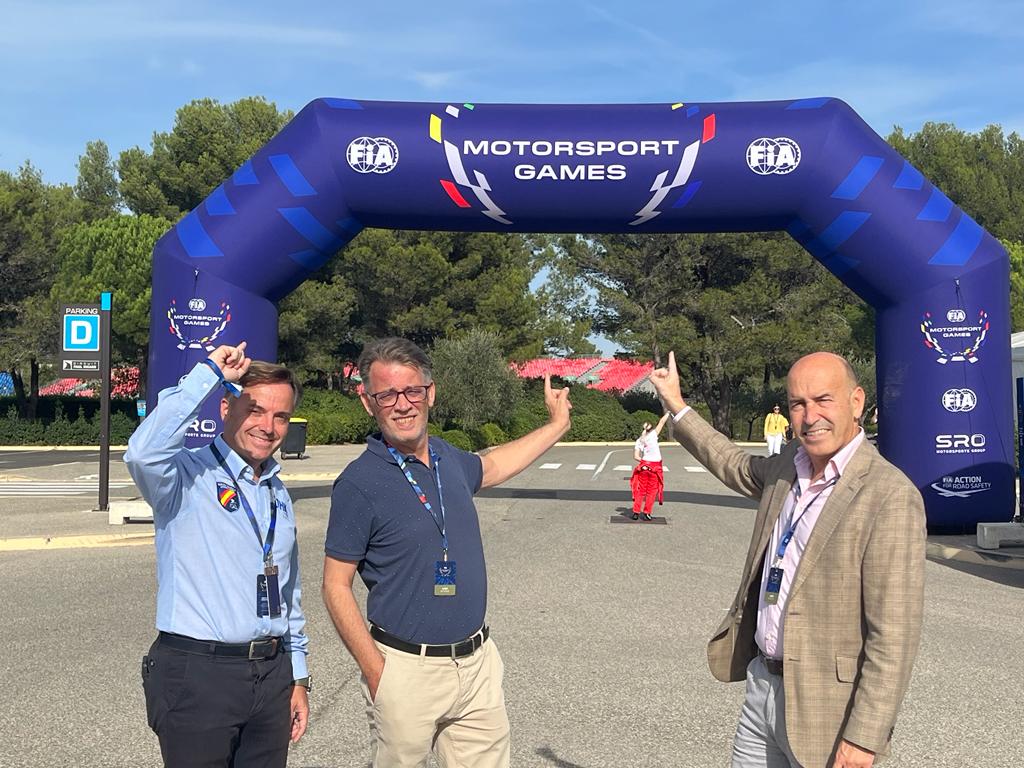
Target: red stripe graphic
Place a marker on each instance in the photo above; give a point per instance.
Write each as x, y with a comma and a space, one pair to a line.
709, 128
454, 194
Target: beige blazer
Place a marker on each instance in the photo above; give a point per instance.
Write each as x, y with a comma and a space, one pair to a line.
852, 622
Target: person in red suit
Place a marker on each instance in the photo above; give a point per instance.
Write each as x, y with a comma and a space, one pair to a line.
648, 481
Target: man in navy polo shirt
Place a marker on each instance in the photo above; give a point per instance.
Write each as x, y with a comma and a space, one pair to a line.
403, 516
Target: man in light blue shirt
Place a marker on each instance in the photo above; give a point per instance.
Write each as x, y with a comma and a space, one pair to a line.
226, 679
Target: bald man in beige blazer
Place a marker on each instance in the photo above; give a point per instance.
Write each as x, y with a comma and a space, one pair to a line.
826, 623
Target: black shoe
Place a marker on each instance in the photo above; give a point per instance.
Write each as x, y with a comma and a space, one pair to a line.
636, 516
648, 518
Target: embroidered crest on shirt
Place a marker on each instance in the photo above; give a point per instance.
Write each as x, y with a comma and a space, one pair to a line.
228, 497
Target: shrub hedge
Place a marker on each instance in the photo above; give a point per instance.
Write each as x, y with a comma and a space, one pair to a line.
334, 417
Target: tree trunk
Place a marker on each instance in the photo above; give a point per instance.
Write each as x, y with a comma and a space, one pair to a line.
19, 392
33, 397
143, 372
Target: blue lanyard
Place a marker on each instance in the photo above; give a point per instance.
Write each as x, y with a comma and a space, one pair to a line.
793, 523
434, 458
267, 546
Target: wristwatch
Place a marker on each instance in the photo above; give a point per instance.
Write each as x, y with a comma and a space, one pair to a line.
305, 682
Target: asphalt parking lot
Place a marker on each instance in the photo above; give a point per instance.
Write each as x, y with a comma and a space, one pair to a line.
602, 627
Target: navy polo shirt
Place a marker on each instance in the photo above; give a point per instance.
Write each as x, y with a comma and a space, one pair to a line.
377, 519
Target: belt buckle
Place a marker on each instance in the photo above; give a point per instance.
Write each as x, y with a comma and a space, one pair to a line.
253, 645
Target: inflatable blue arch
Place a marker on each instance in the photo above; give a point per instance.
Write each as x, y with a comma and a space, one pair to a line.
811, 167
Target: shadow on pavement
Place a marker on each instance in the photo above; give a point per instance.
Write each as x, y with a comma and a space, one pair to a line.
549, 754
299, 492
1010, 577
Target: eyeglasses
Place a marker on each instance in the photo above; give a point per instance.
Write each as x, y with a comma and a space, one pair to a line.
414, 395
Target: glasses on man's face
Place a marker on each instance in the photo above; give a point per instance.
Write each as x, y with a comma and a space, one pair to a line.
414, 395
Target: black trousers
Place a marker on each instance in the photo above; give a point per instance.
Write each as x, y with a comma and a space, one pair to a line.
218, 712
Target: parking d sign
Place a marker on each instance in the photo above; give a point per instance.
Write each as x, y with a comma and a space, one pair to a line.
81, 340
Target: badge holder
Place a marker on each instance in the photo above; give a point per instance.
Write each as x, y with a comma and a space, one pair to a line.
444, 577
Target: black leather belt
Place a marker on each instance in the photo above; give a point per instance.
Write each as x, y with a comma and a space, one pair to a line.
774, 666
453, 650
264, 648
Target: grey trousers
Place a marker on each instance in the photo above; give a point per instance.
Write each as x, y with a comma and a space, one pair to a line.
761, 740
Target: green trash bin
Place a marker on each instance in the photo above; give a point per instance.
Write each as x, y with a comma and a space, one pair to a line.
295, 440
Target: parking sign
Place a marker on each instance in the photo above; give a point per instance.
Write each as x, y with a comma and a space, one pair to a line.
81, 341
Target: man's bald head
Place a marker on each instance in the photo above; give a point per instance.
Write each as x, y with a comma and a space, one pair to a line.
825, 404
819, 359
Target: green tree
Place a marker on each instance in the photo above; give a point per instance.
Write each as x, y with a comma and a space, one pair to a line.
564, 304
32, 217
429, 285
1016, 251
208, 143
981, 172
97, 182
115, 255
734, 307
314, 330
474, 383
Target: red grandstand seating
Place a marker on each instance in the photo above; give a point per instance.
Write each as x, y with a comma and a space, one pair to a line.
571, 367
124, 384
604, 374
622, 374
63, 387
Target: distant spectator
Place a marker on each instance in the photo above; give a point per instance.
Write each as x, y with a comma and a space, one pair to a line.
775, 426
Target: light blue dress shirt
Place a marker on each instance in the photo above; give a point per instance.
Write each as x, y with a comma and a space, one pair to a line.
207, 557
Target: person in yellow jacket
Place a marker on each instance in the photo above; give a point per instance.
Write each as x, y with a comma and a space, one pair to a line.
775, 426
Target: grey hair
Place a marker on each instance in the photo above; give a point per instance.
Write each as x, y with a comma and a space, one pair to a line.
394, 350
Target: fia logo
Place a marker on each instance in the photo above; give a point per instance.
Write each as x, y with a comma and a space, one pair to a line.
959, 400
766, 156
372, 155
196, 304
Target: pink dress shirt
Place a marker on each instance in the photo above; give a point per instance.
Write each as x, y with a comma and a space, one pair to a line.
812, 497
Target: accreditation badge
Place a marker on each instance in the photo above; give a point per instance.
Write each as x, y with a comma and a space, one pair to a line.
771, 589
444, 578
268, 593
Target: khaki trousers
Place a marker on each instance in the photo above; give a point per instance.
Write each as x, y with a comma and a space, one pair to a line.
453, 707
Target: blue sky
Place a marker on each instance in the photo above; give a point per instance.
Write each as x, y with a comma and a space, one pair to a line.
117, 71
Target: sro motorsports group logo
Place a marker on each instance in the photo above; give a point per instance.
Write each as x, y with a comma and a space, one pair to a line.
959, 400
779, 156
960, 443
372, 155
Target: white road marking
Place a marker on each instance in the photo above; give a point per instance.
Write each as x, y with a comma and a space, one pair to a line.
600, 468
32, 488
550, 466
586, 467
695, 469
623, 468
